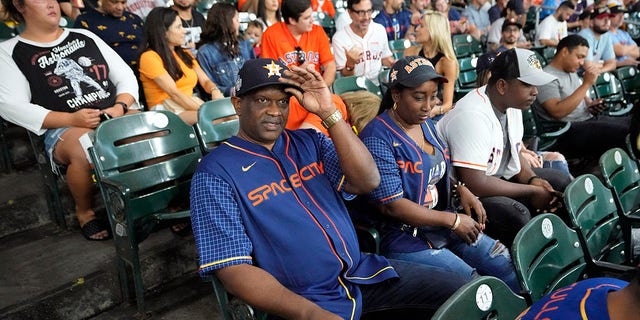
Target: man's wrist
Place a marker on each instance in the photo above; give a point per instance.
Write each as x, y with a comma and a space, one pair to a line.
332, 119
532, 178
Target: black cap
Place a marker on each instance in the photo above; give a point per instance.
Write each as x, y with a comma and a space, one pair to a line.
413, 71
258, 73
484, 61
511, 22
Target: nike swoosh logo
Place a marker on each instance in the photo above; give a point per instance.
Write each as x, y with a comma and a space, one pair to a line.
245, 169
397, 144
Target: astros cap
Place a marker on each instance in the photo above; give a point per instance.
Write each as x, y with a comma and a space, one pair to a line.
529, 69
413, 71
258, 73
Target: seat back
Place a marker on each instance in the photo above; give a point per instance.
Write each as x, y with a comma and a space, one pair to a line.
629, 76
621, 173
467, 77
383, 79
326, 22
7, 32
609, 88
464, 45
355, 83
594, 213
482, 298
398, 47
153, 154
547, 256
217, 122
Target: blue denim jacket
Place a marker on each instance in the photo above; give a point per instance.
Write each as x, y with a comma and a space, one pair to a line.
222, 69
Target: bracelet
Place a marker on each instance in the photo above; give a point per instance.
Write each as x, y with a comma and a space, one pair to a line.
532, 178
332, 119
456, 223
348, 68
125, 107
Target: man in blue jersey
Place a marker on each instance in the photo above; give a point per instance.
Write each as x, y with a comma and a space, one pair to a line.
268, 214
596, 298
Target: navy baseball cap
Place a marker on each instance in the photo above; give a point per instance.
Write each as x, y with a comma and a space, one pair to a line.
511, 22
484, 61
413, 71
258, 73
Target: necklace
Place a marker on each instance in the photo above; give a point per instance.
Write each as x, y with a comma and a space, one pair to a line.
419, 141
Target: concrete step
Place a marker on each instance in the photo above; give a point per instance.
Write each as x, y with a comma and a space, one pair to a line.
49, 273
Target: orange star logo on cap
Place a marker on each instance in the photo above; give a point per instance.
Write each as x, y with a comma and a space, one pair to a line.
274, 69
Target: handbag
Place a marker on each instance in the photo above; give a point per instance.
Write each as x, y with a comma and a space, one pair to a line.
176, 108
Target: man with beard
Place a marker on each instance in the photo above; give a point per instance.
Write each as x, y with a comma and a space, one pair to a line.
484, 135
120, 29
554, 27
511, 31
565, 99
600, 46
192, 20
361, 48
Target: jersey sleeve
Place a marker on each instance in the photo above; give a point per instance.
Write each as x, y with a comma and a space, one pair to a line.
324, 47
339, 45
217, 224
390, 188
469, 147
15, 95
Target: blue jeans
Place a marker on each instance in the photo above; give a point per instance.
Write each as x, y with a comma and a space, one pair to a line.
420, 287
486, 257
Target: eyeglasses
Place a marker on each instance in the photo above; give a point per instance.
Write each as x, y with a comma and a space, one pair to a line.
362, 13
300, 56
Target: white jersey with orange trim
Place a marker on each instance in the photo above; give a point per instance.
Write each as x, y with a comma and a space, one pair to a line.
474, 135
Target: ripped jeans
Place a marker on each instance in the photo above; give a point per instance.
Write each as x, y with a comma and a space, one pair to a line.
484, 257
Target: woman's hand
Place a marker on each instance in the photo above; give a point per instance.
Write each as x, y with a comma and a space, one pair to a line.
468, 229
86, 118
531, 157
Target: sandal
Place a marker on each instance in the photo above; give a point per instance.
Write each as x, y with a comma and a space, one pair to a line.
94, 227
181, 229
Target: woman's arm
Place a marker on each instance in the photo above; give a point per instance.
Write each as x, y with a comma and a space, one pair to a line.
207, 84
449, 69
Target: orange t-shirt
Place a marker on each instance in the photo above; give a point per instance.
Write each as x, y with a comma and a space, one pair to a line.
298, 114
152, 66
327, 7
279, 43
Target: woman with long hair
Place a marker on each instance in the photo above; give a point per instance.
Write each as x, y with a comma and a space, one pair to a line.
434, 37
222, 54
414, 203
269, 12
169, 72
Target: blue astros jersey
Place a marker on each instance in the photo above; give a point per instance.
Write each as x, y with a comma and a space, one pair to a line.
586, 299
282, 210
408, 172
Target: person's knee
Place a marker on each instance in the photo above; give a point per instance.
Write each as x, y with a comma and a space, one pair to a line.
507, 211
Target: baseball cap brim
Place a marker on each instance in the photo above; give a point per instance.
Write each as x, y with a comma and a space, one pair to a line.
421, 78
537, 78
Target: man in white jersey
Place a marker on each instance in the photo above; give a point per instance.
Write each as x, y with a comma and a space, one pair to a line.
361, 48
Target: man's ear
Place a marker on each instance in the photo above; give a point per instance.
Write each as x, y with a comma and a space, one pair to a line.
236, 105
502, 86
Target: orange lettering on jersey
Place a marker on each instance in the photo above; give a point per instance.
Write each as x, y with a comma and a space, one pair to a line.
410, 167
262, 193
